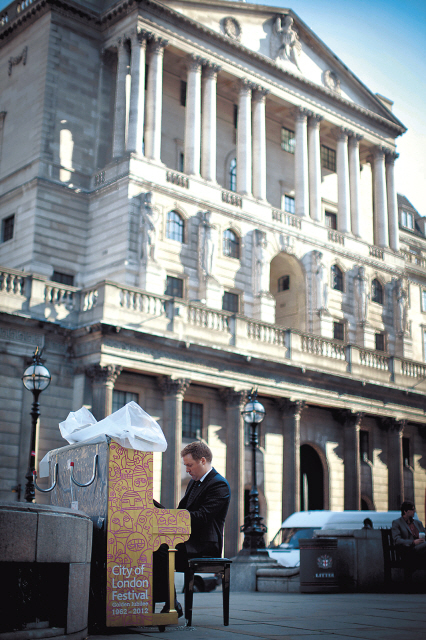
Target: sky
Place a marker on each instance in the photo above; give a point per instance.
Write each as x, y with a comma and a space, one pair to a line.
383, 42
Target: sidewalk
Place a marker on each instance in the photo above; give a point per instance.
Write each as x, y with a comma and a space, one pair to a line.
276, 616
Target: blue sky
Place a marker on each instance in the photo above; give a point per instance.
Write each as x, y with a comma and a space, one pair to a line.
383, 42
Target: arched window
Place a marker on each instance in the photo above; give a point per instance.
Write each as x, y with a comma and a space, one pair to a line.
175, 226
376, 292
233, 175
336, 278
231, 244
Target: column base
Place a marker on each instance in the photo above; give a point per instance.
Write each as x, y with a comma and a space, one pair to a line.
264, 308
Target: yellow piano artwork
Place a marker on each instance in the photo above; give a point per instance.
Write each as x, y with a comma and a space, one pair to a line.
136, 528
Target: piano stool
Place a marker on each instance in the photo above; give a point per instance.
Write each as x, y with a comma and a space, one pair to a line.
207, 565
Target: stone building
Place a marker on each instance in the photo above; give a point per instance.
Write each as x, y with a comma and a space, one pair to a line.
197, 198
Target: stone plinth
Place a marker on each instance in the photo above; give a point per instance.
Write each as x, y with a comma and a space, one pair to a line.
48, 551
244, 568
278, 579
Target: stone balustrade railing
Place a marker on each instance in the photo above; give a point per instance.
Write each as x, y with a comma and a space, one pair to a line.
114, 304
414, 259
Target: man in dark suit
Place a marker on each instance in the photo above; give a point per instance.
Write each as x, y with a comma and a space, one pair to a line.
409, 534
207, 499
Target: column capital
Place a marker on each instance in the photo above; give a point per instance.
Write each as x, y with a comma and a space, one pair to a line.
315, 119
342, 133
290, 407
348, 418
354, 139
211, 69
233, 398
245, 86
140, 36
391, 156
194, 62
392, 425
302, 114
259, 93
103, 374
157, 44
380, 152
171, 387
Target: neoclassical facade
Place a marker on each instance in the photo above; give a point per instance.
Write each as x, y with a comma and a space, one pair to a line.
198, 198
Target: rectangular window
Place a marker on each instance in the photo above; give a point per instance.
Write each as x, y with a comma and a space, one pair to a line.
63, 278
328, 158
288, 140
192, 420
380, 341
235, 116
7, 228
182, 93
121, 398
423, 294
339, 331
407, 219
230, 302
181, 161
174, 287
330, 220
364, 445
406, 452
289, 205
284, 283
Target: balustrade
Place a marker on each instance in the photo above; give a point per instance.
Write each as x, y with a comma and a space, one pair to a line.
265, 333
322, 347
141, 302
208, 319
57, 295
374, 360
11, 283
89, 299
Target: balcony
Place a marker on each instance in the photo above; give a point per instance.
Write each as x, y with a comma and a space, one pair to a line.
35, 297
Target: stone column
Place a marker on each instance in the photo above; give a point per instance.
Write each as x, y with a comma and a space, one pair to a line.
103, 380
192, 145
291, 412
173, 392
392, 201
395, 463
352, 458
314, 162
154, 99
244, 164
380, 199
342, 166
259, 143
209, 124
119, 133
137, 92
354, 182
301, 174
234, 402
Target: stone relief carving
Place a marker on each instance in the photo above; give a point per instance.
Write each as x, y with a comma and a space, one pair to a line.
149, 228
331, 80
285, 41
361, 295
231, 27
286, 243
261, 262
206, 245
401, 307
13, 61
320, 282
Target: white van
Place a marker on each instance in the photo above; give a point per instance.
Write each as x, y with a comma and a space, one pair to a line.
284, 548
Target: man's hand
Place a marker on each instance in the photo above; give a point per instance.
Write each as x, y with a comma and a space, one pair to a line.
418, 541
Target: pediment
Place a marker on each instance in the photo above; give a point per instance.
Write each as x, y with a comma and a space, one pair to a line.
284, 40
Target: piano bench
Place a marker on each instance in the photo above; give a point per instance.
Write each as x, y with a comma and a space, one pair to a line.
207, 565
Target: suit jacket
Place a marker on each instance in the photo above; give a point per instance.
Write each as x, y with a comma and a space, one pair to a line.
208, 505
401, 532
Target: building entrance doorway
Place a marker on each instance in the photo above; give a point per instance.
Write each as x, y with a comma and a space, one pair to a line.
311, 479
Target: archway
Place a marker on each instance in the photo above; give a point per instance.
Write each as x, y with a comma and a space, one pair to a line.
311, 479
287, 285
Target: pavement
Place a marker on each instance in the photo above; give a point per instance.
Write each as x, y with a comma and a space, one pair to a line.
295, 616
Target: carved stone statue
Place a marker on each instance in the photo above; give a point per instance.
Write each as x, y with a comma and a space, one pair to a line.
401, 307
207, 248
320, 282
149, 224
261, 262
285, 43
362, 297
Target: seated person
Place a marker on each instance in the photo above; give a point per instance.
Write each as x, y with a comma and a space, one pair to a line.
406, 534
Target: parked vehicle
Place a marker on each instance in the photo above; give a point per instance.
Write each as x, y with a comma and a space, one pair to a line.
284, 548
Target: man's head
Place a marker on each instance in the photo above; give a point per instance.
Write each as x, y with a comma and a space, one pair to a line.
408, 509
197, 458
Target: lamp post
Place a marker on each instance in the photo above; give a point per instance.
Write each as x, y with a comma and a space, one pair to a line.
253, 527
36, 379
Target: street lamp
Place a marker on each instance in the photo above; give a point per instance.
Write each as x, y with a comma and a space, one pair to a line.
253, 527
36, 379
